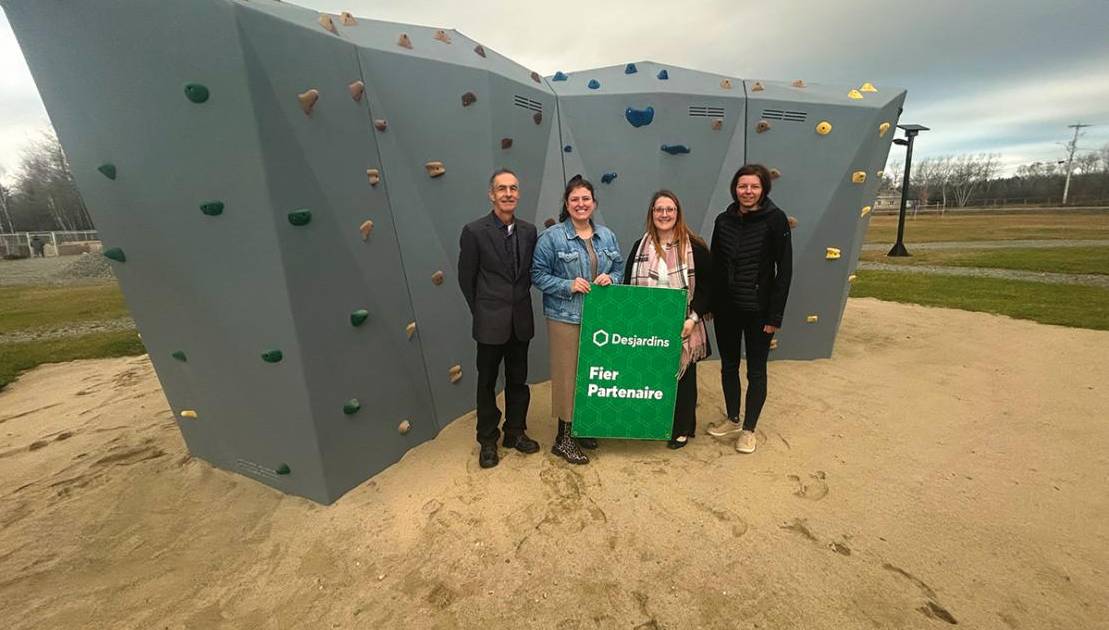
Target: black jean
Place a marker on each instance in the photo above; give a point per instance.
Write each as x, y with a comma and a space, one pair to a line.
517, 395
733, 328
685, 406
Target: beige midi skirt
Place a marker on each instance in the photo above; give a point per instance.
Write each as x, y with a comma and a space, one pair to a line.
563, 340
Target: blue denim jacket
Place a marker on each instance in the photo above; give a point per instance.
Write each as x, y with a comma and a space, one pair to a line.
560, 256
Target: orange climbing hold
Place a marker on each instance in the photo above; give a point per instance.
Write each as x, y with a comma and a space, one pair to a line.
455, 373
410, 329
380, 124
793, 222
798, 83
437, 278
762, 125
357, 89
347, 19
435, 168
366, 228
404, 42
373, 175
328, 24
308, 100
443, 36
717, 124
757, 87
404, 427
726, 84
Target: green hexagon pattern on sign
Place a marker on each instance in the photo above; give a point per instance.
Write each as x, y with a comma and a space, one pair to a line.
629, 351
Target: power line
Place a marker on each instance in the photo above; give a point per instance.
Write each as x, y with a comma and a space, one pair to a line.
1072, 146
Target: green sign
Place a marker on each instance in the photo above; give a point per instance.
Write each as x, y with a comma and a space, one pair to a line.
628, 357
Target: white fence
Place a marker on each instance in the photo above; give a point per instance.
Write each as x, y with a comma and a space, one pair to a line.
30, 244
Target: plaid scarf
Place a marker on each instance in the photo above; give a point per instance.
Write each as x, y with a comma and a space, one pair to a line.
645, 268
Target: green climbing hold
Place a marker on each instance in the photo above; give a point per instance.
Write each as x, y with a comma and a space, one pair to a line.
179, 355
212, 208
272, 356
359, 317
108, 169
300, 217
283, 469
115, 254
196, 92
352, 406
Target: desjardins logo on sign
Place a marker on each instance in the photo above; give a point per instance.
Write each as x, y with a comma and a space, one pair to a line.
602, 338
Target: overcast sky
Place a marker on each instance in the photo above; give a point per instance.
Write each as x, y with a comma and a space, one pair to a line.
1002, 76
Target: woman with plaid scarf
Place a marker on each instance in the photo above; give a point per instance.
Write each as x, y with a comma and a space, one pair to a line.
670, 255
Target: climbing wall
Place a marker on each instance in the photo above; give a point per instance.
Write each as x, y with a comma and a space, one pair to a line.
281, 193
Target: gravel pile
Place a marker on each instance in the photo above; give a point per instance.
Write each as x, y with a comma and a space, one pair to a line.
86, 267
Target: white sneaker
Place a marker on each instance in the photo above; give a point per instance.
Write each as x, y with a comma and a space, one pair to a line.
746, 442
724, 428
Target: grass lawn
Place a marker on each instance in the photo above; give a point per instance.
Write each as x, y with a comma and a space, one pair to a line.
991, 227
17, 357
1065, 305
1051, 259
37, 307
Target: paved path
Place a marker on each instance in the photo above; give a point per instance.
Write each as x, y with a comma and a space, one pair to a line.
1089, 280
885, 247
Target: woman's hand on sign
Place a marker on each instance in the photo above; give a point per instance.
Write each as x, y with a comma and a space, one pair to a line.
603, 280
687, 328
770, 330
579, 285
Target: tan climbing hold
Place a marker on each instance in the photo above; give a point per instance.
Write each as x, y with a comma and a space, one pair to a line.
775, 173
854, 95
404, 42
435, 168
812, 319
858, 177
757, 87
189, 413
506, 143
798, 83
347, 19
823, 127
308, 100
852, 278
793, 222
726, 84
468, 99
865, 211
373, 175
410, 329
535, 77
868, 87
480, 50
443, 36
380, 124
357, 89
882, 129
773, 344
366, 228
717, 124
437, 278
832, 253
455, 373
762, 125
328, 24
404, 427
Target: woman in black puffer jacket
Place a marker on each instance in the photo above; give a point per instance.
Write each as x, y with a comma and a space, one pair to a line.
752, 257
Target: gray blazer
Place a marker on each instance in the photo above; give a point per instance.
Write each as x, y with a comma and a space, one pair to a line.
499, 297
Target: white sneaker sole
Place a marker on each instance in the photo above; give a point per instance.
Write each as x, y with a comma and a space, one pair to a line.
725, 432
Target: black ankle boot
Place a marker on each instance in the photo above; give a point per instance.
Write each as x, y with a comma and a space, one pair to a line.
567, 447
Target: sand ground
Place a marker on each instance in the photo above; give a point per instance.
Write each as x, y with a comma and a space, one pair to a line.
942, 467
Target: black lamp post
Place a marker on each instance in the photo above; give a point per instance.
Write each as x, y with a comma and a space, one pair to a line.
911, 131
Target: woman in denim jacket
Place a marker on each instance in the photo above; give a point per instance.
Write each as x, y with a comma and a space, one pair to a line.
569, 259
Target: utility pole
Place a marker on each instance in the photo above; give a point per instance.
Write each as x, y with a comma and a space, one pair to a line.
1072, 146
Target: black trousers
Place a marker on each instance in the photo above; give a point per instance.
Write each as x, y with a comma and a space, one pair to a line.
685, 407
733, 328
517, 395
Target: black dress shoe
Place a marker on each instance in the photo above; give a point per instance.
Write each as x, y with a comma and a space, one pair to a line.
589, 443
675, 443
522, 443
488, 456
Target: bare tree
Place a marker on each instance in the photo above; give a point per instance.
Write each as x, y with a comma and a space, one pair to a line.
971, 172
44, 195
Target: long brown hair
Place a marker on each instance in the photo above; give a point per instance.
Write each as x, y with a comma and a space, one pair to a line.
682, 232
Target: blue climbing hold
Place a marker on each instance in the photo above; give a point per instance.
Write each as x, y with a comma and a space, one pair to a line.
594, 84
607, 178
663, 75
630, 69
675, 149
639, 117
568, 149
559, 76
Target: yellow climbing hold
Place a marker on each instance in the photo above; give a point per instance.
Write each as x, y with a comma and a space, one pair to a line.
882, 129
775, 173
865, 211
189, 413
773, 344
327, 23
832, 253
308, 100
858, 177
373, 175
455, 373
366, 228
868, 87
726, 84
410, 329
854, 95
435, 168
347, 19
798, 83
757, 87
812, 319
824, 127
852, 278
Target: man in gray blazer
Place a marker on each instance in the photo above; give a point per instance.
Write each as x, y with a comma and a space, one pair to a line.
494, 271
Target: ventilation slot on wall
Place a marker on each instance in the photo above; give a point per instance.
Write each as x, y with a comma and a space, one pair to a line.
701, 111
781, 114
527, 103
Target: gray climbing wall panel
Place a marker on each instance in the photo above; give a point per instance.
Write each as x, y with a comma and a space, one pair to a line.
287, 188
